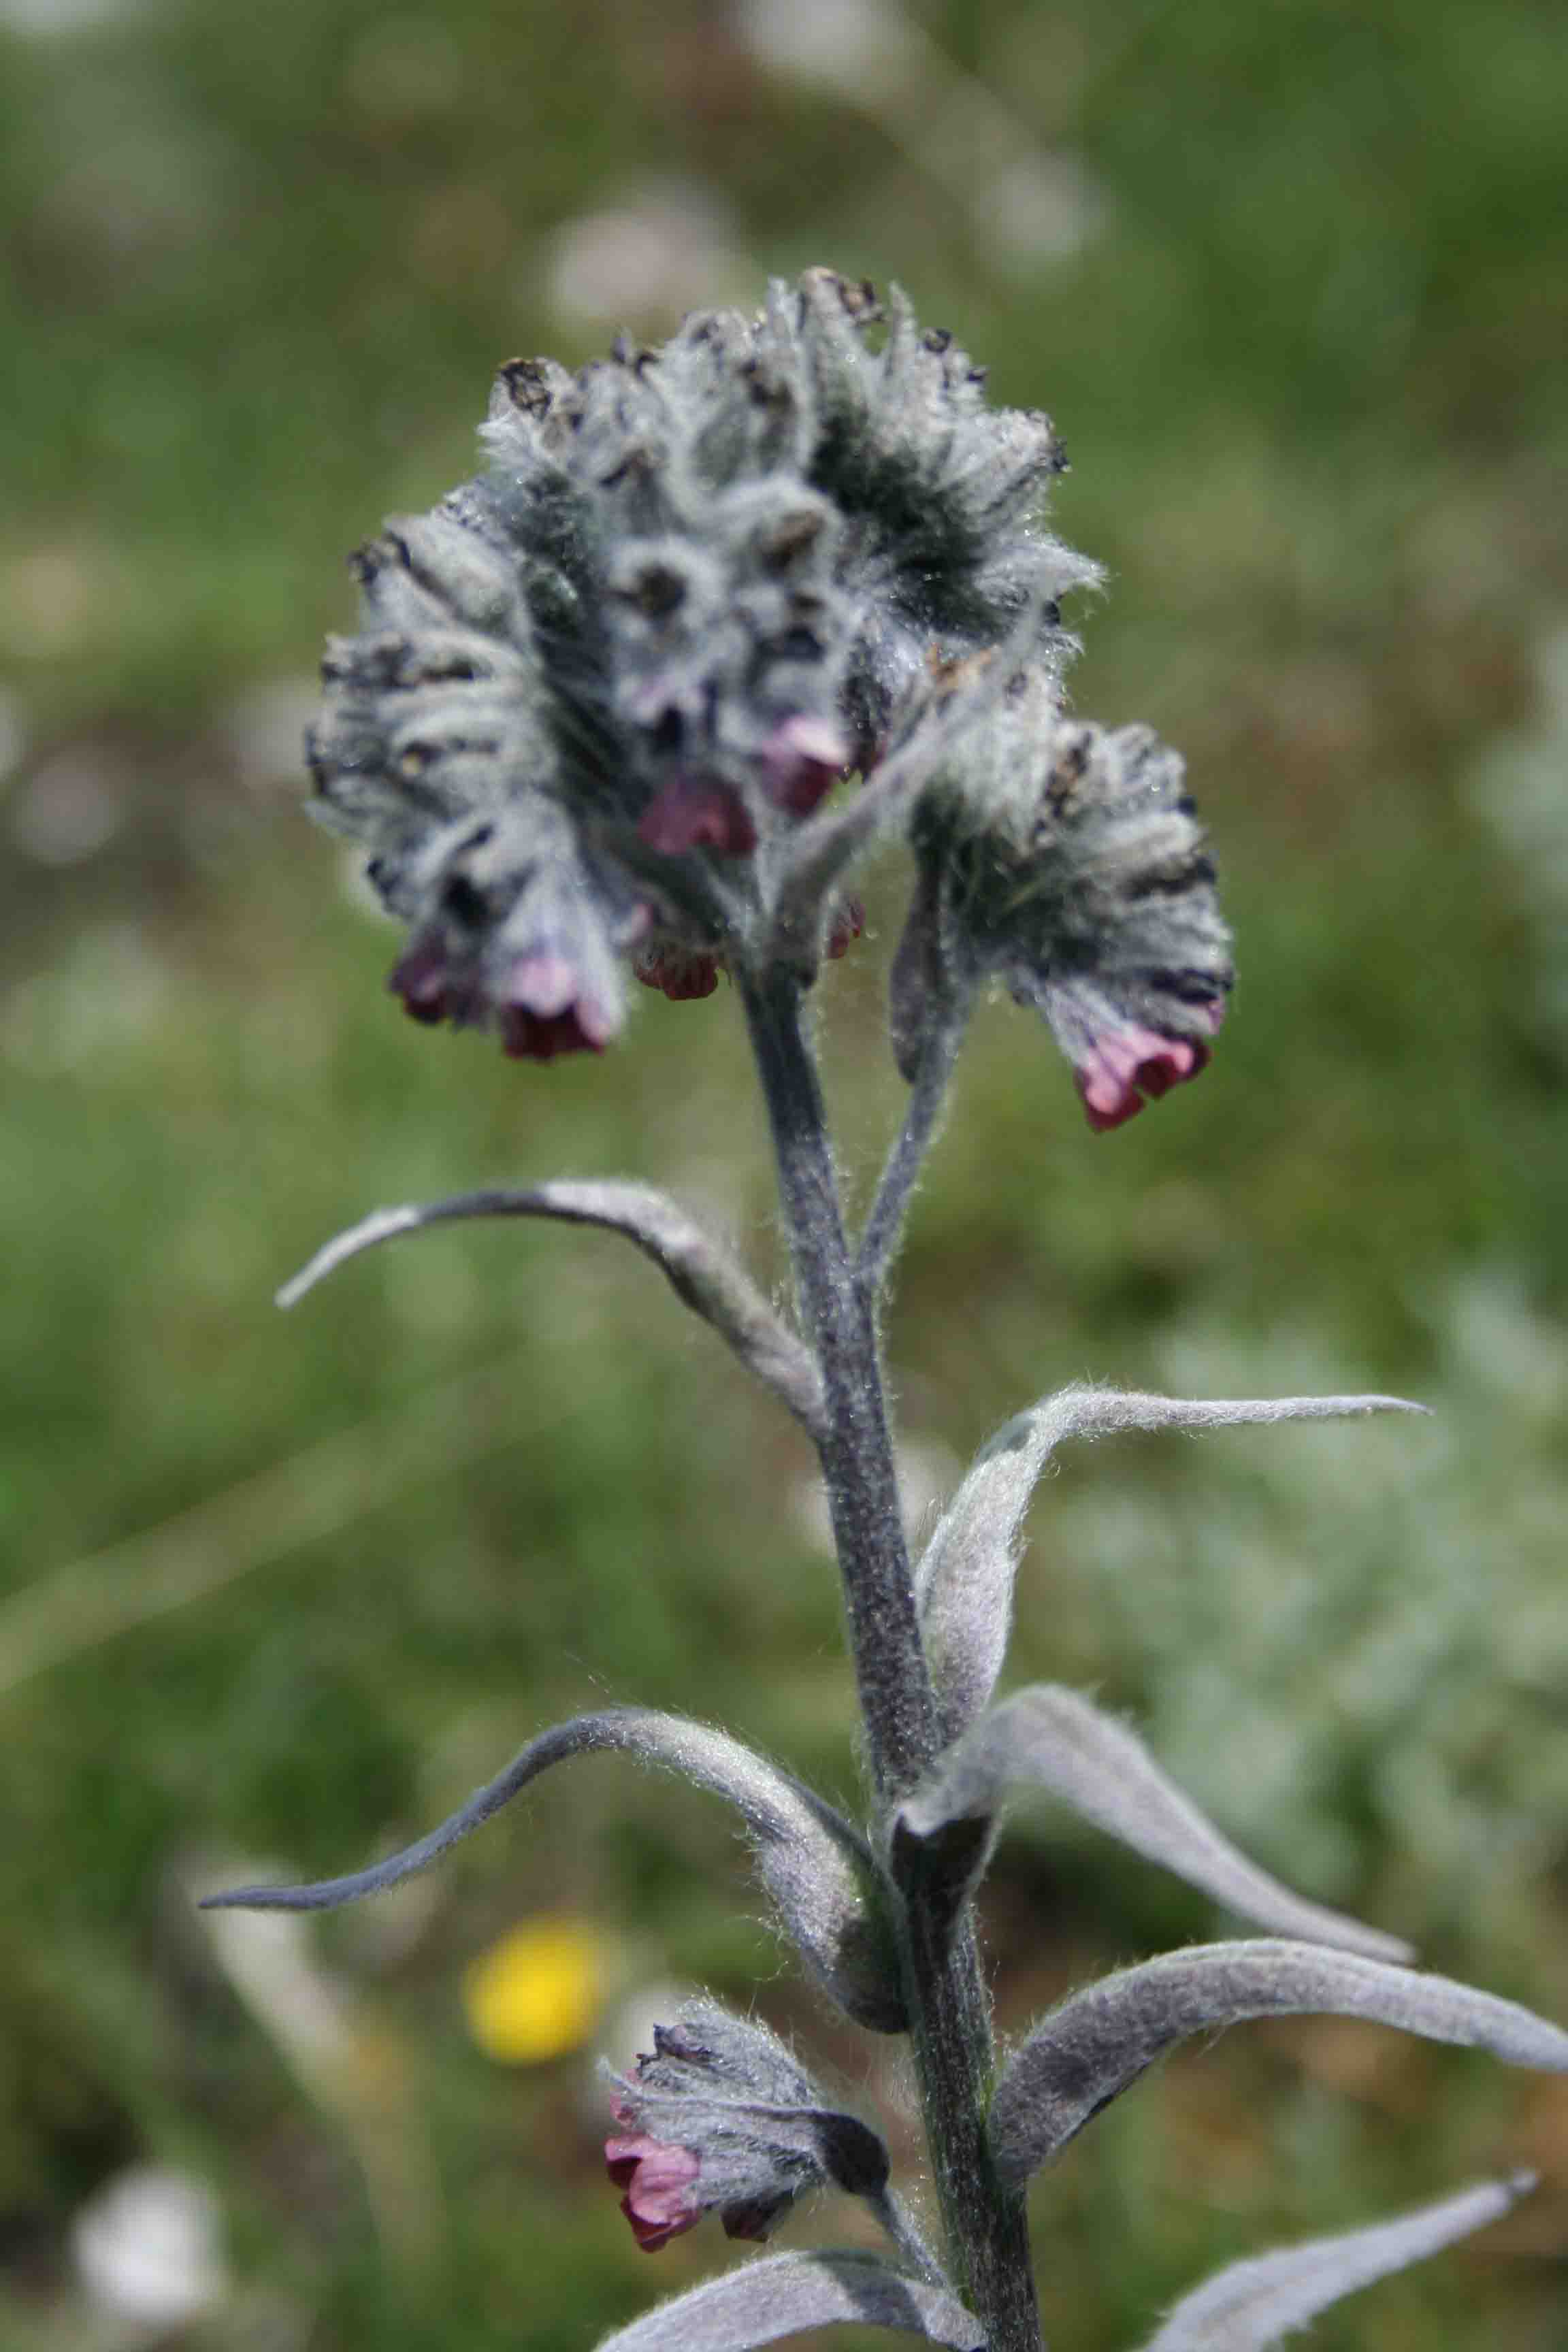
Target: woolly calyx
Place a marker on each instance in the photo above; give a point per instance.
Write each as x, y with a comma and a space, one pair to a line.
1067, 861
600, 687
718, 2117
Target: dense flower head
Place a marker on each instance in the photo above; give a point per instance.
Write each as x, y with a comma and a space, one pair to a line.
1067, 860
719, 2117
597, 691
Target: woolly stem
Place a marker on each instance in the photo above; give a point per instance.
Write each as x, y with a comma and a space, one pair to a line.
928, 1100
988, 2237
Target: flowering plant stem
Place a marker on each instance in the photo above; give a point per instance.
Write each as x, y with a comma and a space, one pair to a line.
949, 2009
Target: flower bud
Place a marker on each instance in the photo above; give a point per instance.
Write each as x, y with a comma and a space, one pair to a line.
719, 2119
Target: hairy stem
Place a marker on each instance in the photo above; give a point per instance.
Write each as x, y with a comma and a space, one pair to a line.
984, 2225
928, 1100
896, 1701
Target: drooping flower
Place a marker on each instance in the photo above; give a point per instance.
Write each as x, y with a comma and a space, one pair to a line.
658, 2178
597, 687
1067, 860
718, 2117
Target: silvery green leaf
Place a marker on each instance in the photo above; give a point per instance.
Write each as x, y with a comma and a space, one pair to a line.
701, 1271
783, 2294
1252, 2305
1100, 2040
964, 1580
1053, 1738
816, 1868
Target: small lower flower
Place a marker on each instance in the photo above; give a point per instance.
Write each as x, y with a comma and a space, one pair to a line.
718, 2118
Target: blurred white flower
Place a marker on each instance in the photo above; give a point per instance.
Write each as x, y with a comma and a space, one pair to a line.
666, 248
147, 2249
866, 48
71, 808
265, 729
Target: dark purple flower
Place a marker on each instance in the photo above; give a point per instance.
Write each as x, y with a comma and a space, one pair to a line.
697, 812
683, 973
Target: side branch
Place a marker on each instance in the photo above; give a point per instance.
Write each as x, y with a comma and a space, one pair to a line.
928, 1100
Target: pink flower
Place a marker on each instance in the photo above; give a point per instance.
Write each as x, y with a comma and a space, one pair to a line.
1122, 1068
658, 2176
542, 1007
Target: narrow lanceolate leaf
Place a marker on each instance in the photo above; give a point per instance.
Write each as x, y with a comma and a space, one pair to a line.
964, 1580
784, 2293
1252, 2305
1100, 2040
818, 1869
1056, 1739
701, 1270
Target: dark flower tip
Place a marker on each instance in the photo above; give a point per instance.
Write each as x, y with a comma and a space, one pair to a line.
542, 1009
693, 811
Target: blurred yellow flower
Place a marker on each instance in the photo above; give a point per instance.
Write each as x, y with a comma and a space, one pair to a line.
534, 1994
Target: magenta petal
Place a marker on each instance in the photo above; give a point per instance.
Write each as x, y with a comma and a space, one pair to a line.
1127, 1065
420, 978
658, 2176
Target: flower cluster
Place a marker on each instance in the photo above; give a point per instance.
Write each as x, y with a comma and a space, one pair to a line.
1067, 861
603, 690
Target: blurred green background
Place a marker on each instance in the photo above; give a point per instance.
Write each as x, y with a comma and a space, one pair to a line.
283, 1588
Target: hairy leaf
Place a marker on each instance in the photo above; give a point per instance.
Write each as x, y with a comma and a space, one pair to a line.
701, 1270
964, 1580
1252, 2304
1100, 2040
818, 1869
784, 2294
1053, 1738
